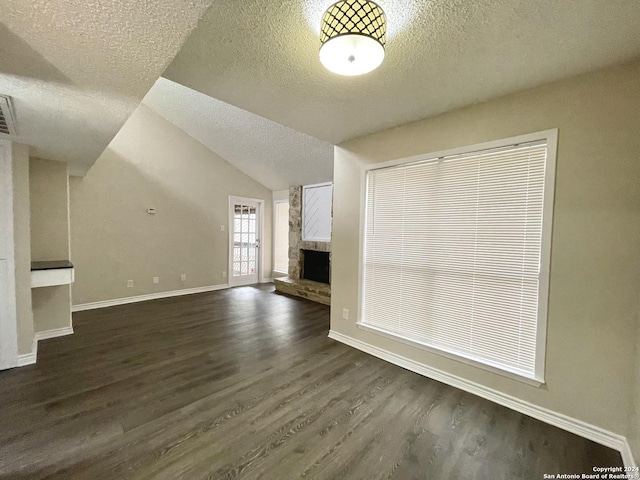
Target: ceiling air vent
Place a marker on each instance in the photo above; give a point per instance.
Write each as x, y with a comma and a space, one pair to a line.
7, 125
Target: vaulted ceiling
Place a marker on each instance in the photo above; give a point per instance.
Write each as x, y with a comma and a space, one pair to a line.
274, 155
77, 69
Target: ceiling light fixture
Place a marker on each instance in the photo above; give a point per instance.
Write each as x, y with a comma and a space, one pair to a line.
352, 37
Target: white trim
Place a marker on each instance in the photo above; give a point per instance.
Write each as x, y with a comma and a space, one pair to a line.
260, 208
29, 358
570, 424
627, 456
143, 298
458, 357
302, 212
503, 142
545, 251
266, 280
32, 357
551, 138
56, 332
8, 310
52, 277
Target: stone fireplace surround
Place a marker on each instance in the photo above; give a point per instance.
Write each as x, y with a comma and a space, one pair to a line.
293, 284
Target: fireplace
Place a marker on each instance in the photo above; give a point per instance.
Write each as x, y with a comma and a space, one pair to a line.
315, 266
309, 261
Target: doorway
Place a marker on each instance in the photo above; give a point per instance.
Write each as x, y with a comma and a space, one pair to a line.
245, 235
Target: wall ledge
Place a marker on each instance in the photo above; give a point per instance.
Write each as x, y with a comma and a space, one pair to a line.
143, 298
570, 424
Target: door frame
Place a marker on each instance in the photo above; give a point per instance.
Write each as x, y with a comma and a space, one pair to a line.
8, 317
233, 199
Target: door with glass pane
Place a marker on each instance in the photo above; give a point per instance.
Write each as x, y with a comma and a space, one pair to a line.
245, 241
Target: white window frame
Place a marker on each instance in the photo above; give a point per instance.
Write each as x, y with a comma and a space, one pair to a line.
551, 138
275, 227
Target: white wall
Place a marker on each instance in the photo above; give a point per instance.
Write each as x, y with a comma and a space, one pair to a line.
595, 264
152, 163
22, 238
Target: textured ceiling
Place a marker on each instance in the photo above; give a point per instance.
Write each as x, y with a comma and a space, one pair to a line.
262, 56
271, 154
76, 69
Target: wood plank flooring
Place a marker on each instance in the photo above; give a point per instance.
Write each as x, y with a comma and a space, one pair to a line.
244, 383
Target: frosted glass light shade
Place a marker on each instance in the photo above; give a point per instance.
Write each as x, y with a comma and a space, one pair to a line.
351, 54
353, 34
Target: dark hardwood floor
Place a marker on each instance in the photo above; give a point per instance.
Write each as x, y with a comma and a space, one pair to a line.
244, 383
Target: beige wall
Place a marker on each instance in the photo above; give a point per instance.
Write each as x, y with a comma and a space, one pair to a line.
48, 183
595, 265
22, 244
280, 195
51, 308
152, 163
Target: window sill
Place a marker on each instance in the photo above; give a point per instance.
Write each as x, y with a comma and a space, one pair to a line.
514, 375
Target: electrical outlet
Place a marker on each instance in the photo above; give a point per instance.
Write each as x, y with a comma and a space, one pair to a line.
224, 274
156, 280
345, 313
129, 283
183, 277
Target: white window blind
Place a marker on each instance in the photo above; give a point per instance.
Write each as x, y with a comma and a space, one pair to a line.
452, 254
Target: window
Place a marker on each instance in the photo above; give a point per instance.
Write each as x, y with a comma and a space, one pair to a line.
281, 236
456, 253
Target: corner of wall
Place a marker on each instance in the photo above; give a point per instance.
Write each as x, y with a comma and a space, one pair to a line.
22, 238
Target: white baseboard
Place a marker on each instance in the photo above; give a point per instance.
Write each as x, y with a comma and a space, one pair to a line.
573, 425
266, 280
56, 332
27, 358
143, 298
627, 456
31, 357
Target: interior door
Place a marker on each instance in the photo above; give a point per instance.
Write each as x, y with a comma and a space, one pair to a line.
8, 333
245, 240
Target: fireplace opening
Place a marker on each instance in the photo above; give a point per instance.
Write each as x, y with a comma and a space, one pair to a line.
315, 266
